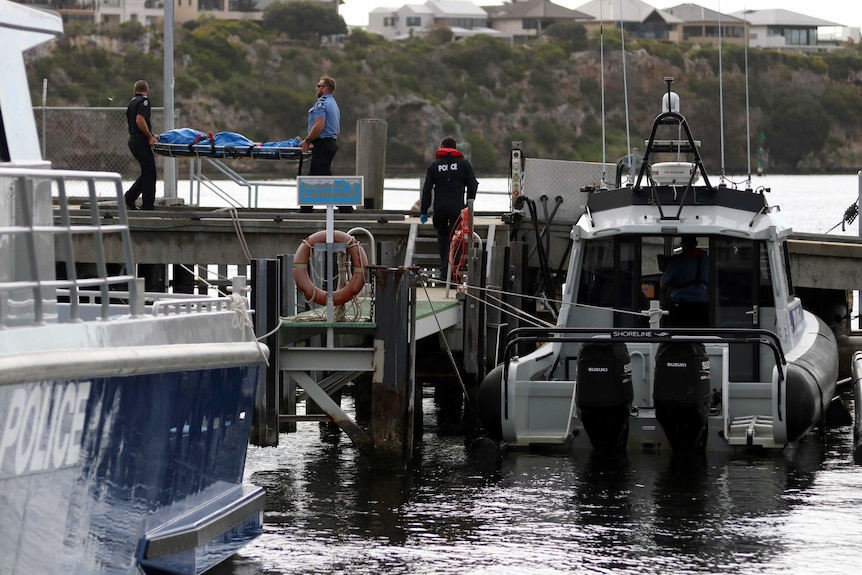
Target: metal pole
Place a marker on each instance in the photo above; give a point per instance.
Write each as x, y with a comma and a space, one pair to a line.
169, 165
44, 119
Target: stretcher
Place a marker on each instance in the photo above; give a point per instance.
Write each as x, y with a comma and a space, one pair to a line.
206, 148
187, 142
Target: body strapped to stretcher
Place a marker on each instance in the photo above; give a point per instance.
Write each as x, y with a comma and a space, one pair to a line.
188, 142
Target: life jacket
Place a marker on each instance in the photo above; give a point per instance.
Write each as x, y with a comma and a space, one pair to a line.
443, 152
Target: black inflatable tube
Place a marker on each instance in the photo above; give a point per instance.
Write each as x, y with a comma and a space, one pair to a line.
811, 382
489, 403
857, 400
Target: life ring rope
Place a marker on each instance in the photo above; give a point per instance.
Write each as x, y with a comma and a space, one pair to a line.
352, 286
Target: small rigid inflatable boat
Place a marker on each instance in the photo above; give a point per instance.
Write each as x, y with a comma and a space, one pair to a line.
628, 366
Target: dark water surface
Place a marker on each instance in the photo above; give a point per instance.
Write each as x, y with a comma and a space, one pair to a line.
332, 510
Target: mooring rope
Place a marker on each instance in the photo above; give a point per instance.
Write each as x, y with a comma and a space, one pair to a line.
541, 322
237, 226
423, 281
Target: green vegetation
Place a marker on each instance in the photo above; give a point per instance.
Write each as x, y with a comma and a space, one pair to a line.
258, 79
306, 21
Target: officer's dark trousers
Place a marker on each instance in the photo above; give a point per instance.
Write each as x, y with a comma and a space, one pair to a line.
145, 185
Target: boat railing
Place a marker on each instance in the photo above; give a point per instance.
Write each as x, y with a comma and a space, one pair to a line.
37, 250
157, 303
177, 306
534, 336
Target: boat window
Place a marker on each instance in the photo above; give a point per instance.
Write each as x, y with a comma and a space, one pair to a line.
628, 282
597, 276
744, 280
610, 278
737, 287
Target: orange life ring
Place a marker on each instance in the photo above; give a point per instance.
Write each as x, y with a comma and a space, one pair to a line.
303, 280
458, 243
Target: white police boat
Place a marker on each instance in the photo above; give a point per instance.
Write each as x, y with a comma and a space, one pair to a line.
610, 376
124, 419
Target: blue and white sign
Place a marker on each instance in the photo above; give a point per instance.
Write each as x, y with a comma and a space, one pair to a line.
330, 190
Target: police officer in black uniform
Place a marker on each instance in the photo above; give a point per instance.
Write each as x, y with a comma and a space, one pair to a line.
141, 142
448, 177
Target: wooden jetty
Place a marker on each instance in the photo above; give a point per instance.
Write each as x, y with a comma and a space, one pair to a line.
519, 257
380, 348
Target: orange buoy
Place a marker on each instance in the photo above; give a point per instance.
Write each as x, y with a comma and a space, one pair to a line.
303, 281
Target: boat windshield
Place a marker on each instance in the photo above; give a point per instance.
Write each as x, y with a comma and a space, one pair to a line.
624, 273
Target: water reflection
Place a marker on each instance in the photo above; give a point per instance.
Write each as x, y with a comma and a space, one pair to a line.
332, 510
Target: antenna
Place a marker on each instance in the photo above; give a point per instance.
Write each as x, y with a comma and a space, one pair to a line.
670, 101
625, 77
721, 93
603, 184
747, 106
669, 80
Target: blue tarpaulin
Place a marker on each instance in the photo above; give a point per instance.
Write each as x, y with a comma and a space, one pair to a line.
191, 142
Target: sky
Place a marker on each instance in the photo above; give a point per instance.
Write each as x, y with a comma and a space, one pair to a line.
845, 12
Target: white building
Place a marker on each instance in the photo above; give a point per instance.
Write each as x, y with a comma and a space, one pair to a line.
147, 12
152, 11
392, 23
461, 16
784, 30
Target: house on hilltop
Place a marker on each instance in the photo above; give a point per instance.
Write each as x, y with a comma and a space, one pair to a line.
705, 26
152, 12
462, 17
393, 23
785, 30
531, 17
637, 18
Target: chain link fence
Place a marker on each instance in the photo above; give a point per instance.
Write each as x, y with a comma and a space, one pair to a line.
94, 139
90, 138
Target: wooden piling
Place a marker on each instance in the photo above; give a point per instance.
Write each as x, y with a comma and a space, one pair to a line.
287, 401
266, 301
155, 277
371, 159
474, 316
184, 278
393, 382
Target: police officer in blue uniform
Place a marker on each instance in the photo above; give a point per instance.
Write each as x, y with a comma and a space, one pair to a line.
141, 142
686, 277
324, 124
448, 177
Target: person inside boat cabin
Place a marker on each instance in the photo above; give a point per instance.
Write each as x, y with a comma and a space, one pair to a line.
685, 279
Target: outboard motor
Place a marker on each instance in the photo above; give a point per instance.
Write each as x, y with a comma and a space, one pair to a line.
604, 394
682, 394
